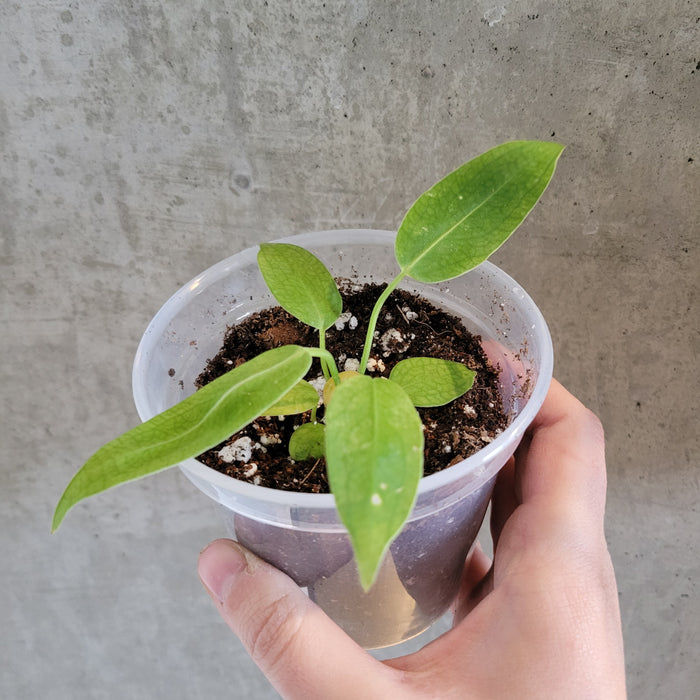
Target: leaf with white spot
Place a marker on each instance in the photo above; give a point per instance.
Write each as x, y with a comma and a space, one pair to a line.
374, 456
460, 221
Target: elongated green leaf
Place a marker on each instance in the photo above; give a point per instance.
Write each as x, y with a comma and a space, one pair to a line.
374, 456
430, 381
192, 426
307, 441
301, 284
302, 397
459, 222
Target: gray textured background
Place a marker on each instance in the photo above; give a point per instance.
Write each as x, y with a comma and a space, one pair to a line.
141, 142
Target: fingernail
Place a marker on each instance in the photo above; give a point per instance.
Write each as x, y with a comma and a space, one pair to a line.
219, 564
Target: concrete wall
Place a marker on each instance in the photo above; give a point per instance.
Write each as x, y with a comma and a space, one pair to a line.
143, 141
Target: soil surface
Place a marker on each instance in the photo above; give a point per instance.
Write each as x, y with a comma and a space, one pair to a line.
408, 326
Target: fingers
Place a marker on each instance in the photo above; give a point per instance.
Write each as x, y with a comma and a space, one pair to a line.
551, 503
558, 475
560, 464
301, 651
562, 459
549, 624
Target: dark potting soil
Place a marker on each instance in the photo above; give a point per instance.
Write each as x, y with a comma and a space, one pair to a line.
408, 326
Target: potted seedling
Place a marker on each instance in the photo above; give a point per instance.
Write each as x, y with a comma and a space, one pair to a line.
382, 552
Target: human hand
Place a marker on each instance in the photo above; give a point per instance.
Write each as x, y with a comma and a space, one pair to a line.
542, 620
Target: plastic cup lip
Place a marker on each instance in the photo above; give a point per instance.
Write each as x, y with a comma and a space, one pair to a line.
219, 481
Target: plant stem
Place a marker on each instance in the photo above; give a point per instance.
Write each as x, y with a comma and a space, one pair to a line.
324, 355
322, 346
369, 338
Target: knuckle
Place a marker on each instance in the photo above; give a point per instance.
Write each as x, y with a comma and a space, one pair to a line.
590, 424
593, 435
275, 633
595, 426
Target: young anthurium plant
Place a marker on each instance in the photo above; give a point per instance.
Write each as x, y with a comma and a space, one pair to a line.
371, 435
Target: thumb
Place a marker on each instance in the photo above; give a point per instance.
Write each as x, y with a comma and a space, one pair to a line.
303, 653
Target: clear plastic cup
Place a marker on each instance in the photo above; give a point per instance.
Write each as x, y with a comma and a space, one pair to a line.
301, 533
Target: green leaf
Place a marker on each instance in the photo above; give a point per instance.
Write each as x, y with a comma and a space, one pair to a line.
307, 441
301, 284
430, 381
302, 397
374, 456
194, 425
459, 222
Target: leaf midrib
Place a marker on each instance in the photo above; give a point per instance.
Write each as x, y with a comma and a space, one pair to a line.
442, 236
213, 408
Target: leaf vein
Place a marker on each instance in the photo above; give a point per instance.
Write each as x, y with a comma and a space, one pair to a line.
449, 231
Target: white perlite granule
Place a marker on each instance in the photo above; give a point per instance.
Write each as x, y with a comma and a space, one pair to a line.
239, 451
318, 383
270, 439
375, 365
342, 320
393, 340
410, 315
351, 365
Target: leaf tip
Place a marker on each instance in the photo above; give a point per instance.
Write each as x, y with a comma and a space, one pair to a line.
556, 147
368, 575
58, 516
65, 503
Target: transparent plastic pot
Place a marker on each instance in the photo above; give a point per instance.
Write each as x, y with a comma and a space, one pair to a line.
301, 533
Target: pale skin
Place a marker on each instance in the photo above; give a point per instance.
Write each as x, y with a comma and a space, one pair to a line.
540, 621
